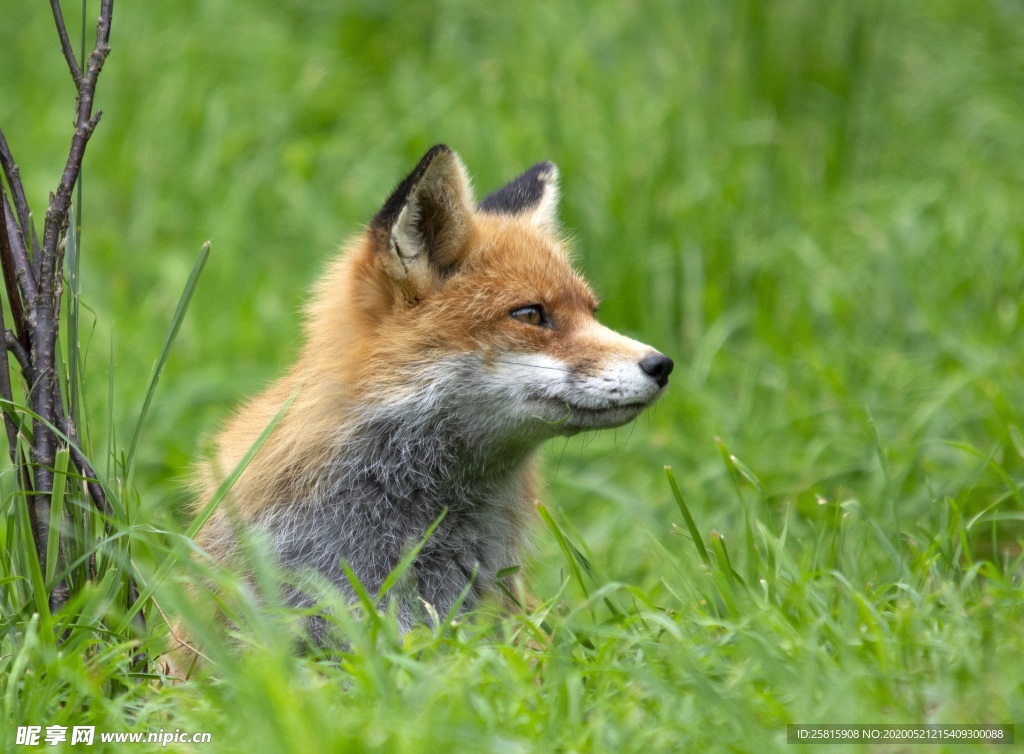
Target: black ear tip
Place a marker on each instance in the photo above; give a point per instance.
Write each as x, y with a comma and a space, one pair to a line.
437, 149
387, 215
524, 193
546, 170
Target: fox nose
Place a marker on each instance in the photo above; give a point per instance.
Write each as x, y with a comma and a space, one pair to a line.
659, 366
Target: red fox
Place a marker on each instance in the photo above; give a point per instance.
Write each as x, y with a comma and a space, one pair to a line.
445, 344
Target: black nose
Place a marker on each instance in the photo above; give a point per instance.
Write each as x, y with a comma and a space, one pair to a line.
659, 367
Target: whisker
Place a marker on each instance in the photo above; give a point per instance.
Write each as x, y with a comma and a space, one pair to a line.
558, 466
532, 366
632, 426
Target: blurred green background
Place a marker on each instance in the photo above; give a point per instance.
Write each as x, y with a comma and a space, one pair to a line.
815, 208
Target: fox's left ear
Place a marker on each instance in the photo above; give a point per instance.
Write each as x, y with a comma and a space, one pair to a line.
532, 196
423, 227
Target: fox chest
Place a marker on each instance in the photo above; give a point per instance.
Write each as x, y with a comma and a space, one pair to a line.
371, 514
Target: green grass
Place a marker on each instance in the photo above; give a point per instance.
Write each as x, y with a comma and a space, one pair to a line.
814, 208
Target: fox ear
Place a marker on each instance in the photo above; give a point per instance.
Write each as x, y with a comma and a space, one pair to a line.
533, 195
424, 224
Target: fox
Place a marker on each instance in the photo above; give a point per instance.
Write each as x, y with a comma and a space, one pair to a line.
442, 347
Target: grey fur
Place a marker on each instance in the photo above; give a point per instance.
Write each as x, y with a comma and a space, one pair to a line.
397, 467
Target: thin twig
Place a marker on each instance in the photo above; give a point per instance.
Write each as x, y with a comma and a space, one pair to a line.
7, 260
65, 43
19, 282
23, 231
180, 643
85, 123
140, 659
6, 393
20, 354
57, 212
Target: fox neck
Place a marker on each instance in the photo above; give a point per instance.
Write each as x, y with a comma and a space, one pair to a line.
391, 476
429, 457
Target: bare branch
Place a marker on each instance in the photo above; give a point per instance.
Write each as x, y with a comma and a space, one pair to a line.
7, 395
20, 354
63, 421
24, 268
13, 259
65, 44
56, 214
26, 228
44, 316
6, 258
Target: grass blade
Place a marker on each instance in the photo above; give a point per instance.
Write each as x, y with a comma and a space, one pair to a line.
691, 525
74, 298
172, 334
407, 560
728, 578
568, 550
230, 479
60, 478
31, 555
737, 472
208, 509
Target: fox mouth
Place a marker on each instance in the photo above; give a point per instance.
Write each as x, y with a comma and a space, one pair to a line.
576, 418
608, 416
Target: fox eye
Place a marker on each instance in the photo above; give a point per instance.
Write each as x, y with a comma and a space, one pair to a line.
531, 315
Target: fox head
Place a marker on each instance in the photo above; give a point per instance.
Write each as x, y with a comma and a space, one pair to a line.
474, 309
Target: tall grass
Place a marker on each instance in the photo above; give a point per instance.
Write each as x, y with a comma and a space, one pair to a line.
814, 209
99, 643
